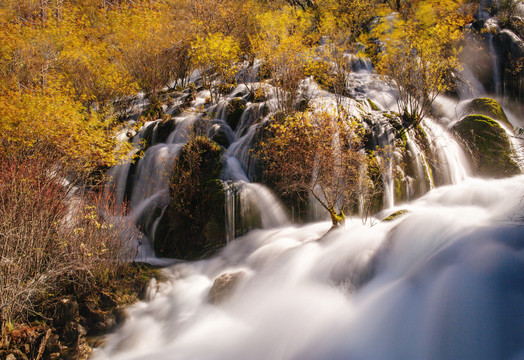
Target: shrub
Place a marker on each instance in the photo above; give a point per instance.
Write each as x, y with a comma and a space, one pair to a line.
51, 242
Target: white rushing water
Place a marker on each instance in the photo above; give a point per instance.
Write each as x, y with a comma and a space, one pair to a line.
443, 281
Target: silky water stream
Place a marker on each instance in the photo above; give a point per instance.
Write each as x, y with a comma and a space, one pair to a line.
443, 280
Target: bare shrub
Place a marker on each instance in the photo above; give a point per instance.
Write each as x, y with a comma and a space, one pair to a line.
51, 243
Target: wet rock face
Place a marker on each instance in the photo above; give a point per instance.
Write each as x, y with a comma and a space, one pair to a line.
509, 54
192, 225
234, 111
488, 145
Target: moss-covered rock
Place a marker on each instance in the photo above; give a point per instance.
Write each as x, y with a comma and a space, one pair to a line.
373, 106
193, 224
154, 109
489, 146
487, 107
234, 110
395, 215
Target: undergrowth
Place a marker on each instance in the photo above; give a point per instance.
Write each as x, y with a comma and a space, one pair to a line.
53, 241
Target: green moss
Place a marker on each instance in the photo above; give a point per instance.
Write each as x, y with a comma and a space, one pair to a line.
488, 107
193, 225
399, 189
395, 215
373, 105
489, 146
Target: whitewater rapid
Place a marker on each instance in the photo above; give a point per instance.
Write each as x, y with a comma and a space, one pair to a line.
443, 281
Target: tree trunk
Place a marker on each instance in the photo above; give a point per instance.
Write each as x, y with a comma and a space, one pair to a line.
337, 219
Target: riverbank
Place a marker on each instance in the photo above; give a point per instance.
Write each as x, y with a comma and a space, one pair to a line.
70, 326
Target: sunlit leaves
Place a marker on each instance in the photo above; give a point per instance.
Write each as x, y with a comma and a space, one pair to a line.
419, 51
215, 54
318, 153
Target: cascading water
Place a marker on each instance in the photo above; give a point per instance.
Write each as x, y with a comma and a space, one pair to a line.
145, 183
249, 206
443, 281
453, 165
435, 282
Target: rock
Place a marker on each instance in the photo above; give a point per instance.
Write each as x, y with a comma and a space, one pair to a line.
302, 105
223, 287
66, 311
510, 52
489, 146
192, 226
221, 133
71, 333
510, 43
96, 320
519, 9
234, 110
487, 107
53, 345
158, 132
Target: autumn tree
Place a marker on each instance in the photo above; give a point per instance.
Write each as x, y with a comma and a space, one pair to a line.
153, 45
233, 18
283, 43
419, 53
215, 56
321, 154
342, 21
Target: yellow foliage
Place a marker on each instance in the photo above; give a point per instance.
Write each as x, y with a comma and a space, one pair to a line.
51, 120
215, 54
282, 43
419, 52
318, 153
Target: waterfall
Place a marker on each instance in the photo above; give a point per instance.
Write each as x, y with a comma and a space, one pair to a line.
251, 205
495, 66
438, 282
452, 163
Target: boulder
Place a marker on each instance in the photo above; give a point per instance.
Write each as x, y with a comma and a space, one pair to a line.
489, 145
234, 110
220, 133
487, 107
192, 226
223, 287
395, 215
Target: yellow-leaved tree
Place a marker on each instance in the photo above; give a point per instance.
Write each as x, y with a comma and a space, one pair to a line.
318, 153
419, 52
216, 56
51, 121
283, 44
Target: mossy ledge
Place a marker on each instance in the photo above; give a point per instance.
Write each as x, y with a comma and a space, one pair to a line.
489, 145
395, 215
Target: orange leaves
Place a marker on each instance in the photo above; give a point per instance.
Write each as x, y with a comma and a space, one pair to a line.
317, 153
